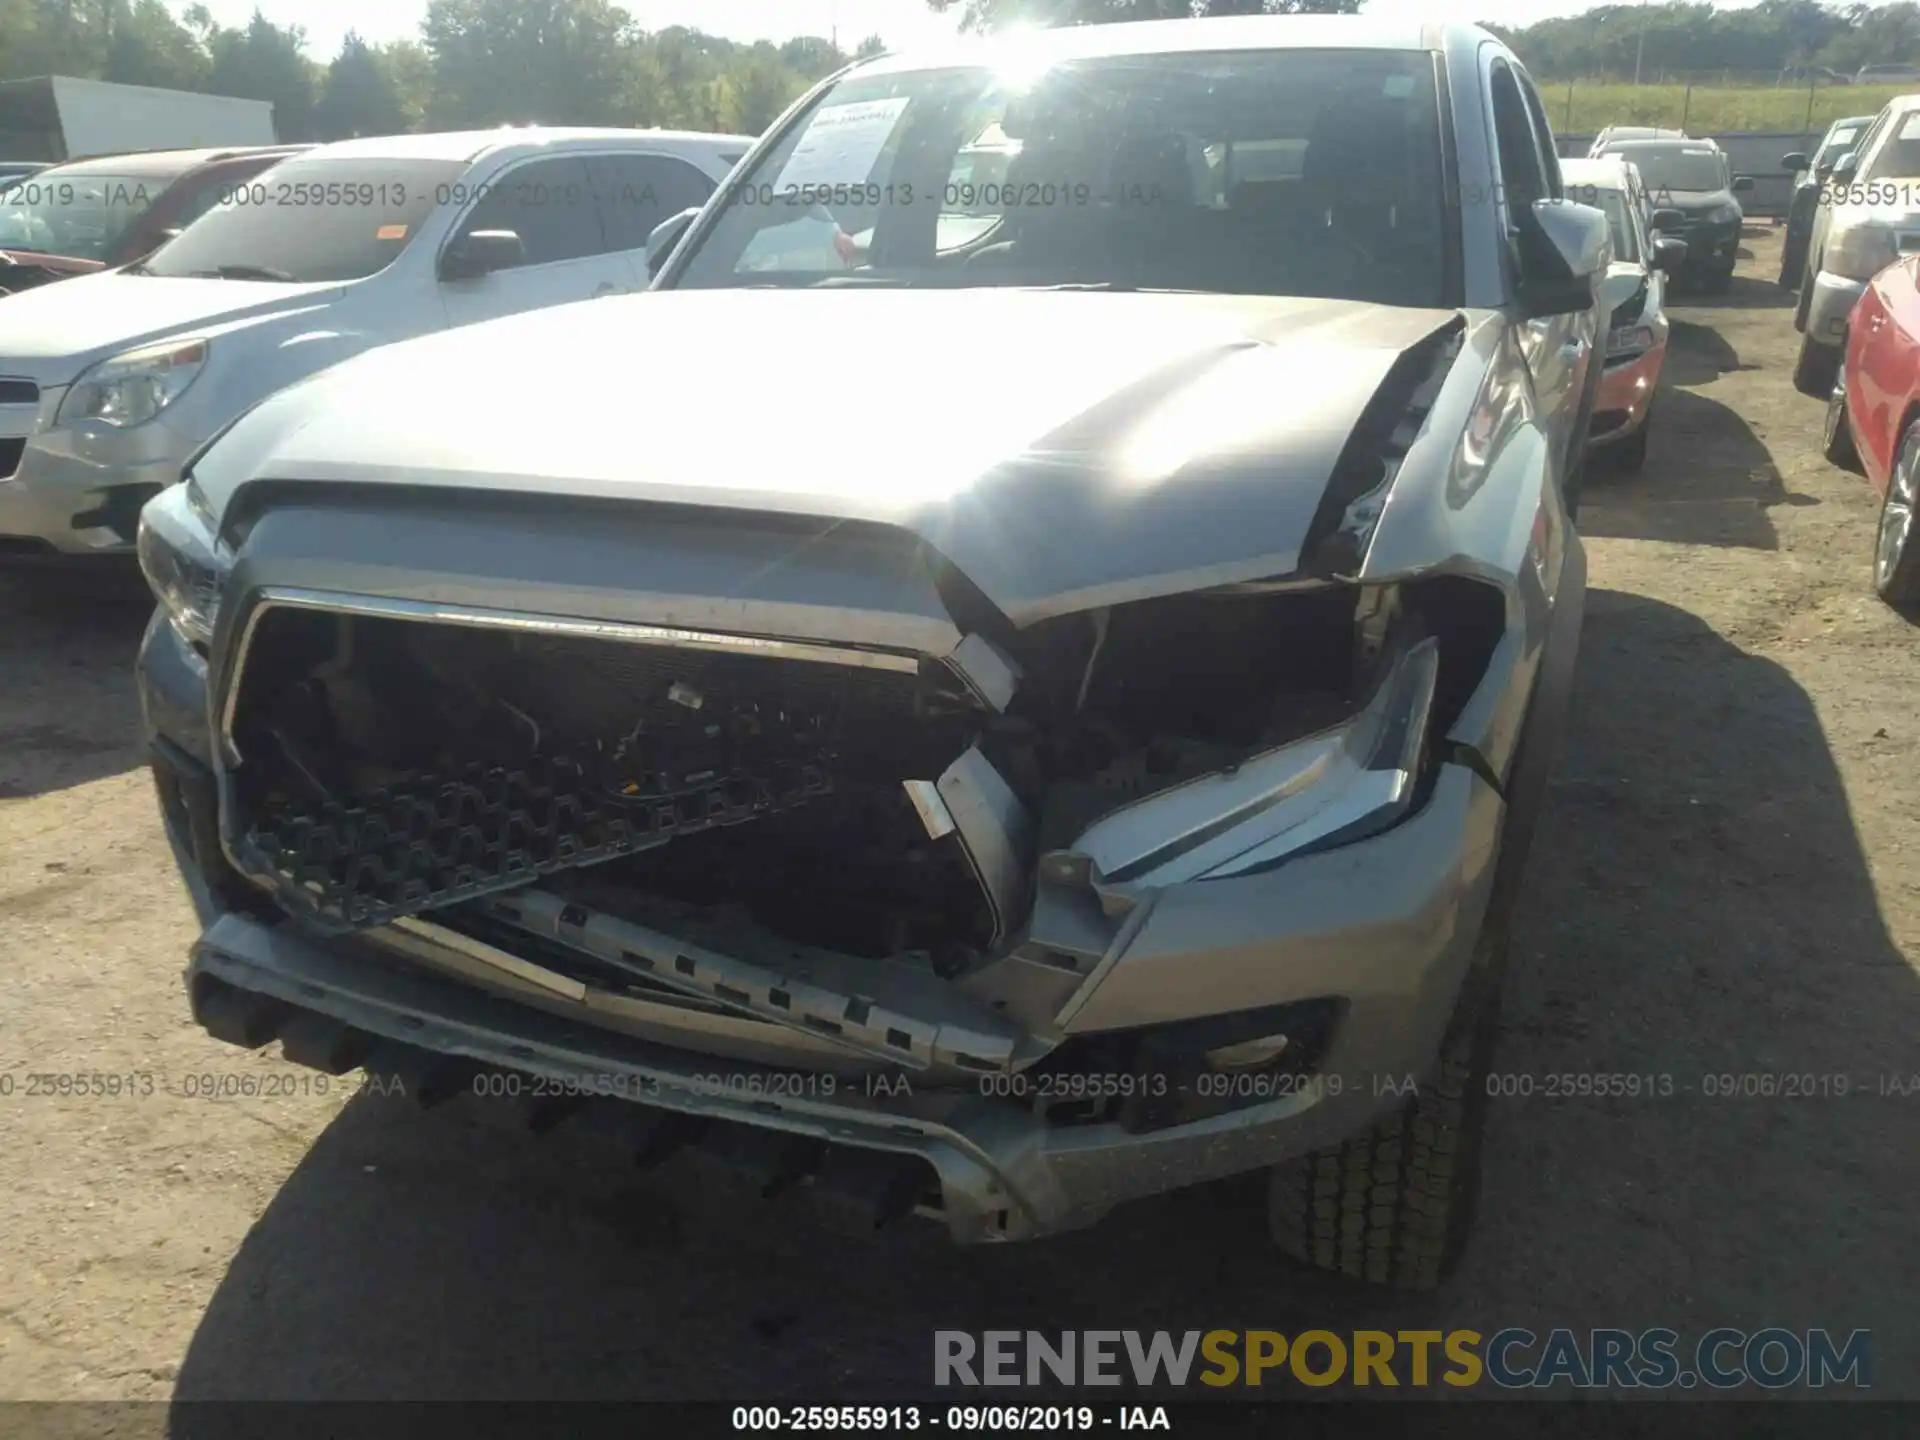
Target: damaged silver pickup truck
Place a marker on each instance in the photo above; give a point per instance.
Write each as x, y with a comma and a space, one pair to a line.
1036, 703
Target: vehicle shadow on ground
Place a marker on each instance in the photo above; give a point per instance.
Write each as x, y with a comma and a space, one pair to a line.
68, 709
1743, 292
1697, 905
1716, 479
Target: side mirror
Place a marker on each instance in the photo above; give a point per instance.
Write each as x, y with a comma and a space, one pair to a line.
1742, 183
1669, 254
1562, 248
481, 253
1846, 165
1793, 162
1665, 219
665, 236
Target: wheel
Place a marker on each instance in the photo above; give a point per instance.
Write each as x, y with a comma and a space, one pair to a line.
1576, 468
1631, 453
1719, 281
1394, 1206
1804, 305
1896, 559
1816, 367
1836, 435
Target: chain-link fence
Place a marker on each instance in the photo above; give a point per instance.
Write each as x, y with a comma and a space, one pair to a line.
1713, 102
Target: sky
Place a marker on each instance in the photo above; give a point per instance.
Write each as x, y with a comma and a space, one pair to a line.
904, 24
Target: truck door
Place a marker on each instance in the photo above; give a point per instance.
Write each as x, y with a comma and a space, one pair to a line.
1557, 348
550, 204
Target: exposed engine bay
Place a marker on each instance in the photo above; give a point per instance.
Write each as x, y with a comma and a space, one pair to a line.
878, 807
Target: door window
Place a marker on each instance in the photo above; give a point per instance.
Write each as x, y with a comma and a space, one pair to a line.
549, 204
1547, 156
637, 192
1522, 178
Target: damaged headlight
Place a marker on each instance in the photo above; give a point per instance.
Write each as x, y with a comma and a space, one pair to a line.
184, 562
1331, 788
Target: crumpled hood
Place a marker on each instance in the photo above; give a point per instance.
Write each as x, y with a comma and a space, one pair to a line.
54, 332
1061, 449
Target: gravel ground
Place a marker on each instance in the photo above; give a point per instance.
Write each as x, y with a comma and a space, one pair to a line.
1725, 885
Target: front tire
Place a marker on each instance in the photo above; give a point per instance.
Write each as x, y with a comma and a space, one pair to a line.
1816, 367
1576, 466
1631, 454
1896, 559
1395, 1205
1836, 436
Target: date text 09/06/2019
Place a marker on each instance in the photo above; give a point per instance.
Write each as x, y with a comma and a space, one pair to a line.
957, 1419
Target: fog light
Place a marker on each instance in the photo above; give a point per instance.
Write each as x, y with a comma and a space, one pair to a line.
1248, 1054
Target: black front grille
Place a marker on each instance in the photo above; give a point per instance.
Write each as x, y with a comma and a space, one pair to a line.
433, 840
10, 453
19, 392
420, 804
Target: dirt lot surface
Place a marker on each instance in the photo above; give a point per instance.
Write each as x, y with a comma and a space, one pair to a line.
1728, 884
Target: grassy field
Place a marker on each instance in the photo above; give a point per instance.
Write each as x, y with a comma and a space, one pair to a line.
1580, 106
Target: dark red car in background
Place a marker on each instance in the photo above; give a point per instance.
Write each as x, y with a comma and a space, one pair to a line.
1873, 420
111, 210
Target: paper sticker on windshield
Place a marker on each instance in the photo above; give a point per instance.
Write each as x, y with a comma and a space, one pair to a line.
1910, 127
842, 143
391, 232
1399, 87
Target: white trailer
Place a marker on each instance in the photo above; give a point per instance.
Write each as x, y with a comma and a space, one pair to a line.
59, 117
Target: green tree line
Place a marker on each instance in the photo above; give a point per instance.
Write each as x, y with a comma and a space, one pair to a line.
476, 63
1682, 38
583, 62
1700, 40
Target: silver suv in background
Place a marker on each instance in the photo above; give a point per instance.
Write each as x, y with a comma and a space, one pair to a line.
108, 382
1868, 218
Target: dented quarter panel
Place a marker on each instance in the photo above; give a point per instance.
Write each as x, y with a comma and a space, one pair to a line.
1478, 495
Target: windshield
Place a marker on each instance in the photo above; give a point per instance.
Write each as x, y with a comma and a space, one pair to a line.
1838, 143
79, 216
1899, 155
312, 220
1669, 168
1626, 243
1292, 172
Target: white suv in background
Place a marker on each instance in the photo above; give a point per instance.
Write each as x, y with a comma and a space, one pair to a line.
1867, 217
110, 381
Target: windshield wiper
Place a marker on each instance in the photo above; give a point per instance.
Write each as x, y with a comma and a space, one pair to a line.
244, 272
851, 282
138, 267
1114, 287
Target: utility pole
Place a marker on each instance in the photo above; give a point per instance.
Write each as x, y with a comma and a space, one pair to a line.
1641, 49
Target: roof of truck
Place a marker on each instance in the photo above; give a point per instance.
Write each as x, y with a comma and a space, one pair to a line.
165, 163
1598, 172
1153, 37
471, 144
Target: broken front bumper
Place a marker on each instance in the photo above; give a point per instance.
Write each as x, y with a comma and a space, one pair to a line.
1384, 927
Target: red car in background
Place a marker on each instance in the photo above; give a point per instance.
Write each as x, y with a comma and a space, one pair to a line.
1873, 420
111, 210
